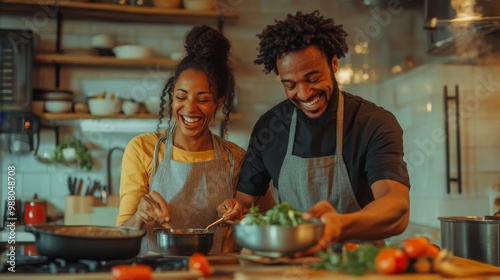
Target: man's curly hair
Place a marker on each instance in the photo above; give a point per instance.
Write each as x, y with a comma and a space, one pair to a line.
298, 32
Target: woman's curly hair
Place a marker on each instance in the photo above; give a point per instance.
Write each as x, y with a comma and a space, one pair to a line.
297, 32
208, 51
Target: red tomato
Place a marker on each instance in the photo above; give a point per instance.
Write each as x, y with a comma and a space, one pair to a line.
415, 247
402, 261
200, 263
391, 261
133, 271
349, 246
432, 250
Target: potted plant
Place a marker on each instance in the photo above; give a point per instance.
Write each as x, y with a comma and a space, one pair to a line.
73, 150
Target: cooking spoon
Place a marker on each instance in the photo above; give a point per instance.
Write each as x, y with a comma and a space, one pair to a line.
165, 224
216, 222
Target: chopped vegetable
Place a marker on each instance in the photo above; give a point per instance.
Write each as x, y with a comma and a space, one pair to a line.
413, 255
200, 263
281, 214
133, 271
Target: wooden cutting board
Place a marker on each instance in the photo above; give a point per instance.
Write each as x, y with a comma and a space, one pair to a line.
298, 271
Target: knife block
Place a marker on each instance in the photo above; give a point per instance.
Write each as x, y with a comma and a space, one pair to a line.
89, 210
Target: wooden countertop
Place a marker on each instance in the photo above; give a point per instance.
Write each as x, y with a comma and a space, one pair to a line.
294, 270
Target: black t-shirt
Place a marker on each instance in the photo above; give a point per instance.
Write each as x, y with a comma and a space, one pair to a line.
373, 145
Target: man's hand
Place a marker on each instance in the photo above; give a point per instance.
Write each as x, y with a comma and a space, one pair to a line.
324, 211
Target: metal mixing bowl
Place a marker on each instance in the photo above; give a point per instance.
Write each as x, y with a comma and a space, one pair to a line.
184, 242
280, 240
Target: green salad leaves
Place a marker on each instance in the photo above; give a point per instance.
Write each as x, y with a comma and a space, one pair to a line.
281, 214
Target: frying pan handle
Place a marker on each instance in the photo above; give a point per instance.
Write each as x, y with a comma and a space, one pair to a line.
32, 229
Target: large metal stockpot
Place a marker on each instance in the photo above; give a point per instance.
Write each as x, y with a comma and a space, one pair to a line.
472, 237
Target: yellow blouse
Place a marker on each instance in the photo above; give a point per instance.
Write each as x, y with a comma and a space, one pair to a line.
137, 165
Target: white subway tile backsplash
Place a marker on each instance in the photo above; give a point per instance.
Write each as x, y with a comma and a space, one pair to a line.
488, 159
38, 183
461, 75
488, 133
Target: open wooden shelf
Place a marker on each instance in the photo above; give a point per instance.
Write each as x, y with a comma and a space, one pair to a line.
105, 61
80, 116
86, 116
112, 12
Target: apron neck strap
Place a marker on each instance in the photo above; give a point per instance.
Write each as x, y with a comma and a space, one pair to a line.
291, 138
154, 164
340, 123
168, 138
340, 127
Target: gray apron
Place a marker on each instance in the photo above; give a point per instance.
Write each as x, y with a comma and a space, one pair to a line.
192, 189
305, 181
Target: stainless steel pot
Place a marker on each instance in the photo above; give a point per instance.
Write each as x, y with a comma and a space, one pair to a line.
472, 237
184, 242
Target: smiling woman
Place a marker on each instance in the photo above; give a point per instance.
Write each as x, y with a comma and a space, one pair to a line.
185, 172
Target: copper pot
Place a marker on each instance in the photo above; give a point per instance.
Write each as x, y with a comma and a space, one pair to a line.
35, 211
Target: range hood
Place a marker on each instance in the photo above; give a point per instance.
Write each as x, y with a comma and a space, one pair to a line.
465, 28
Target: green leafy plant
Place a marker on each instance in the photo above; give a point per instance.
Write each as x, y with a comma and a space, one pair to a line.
83, 156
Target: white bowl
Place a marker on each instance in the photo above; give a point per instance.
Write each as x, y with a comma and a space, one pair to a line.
167, 4
100, 106
130, 107
132, 52
152, 104
58, 106
102, 41
198, 5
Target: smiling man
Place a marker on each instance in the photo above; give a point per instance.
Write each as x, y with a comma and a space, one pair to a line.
327, 152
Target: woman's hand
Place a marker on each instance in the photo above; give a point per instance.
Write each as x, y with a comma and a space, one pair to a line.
232, 210
324, 211
153, 208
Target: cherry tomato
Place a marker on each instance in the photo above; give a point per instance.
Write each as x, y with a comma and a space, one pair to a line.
415, 247
199, 262
432, 250
133, 271
391, 261
349, 246
402, 261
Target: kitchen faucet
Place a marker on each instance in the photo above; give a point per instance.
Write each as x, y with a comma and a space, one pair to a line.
109, 190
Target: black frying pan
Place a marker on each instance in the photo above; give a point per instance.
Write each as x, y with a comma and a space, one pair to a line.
87, 242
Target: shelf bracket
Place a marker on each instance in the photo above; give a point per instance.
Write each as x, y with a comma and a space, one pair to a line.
57, 66
220, 22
